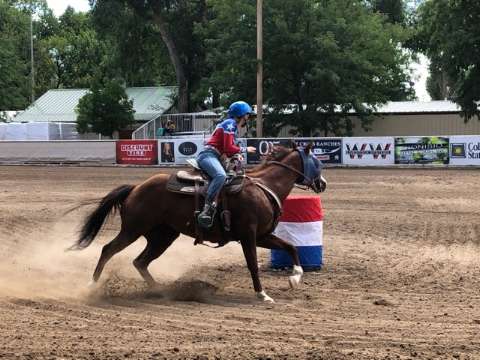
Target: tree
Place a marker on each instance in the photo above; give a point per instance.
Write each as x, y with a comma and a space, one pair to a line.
438, 83
175, 21
322, 60
14, 85
449, 34
105, 109
136, 52
393, 9
74, 55
13, 90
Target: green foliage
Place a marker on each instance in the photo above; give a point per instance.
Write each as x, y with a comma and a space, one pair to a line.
322, 59
105, 109
14, 86
74, 55
137, 53
67, 51
438, 83
337, 58
448, 32
394, 10
175, 21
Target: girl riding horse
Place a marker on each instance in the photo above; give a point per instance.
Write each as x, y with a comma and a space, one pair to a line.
222, 142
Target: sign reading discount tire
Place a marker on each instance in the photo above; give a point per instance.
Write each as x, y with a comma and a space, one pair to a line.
140, 152
369, 151
328, 150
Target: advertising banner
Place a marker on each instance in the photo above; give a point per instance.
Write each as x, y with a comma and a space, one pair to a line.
465, 150
141, 152
421, 150
328, 150
369, 151
177, 151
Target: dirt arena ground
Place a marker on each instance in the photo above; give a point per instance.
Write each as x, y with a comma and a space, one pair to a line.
401, 278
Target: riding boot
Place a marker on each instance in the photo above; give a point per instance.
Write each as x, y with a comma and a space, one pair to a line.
206, 217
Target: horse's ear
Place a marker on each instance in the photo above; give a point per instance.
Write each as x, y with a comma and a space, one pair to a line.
293, 144
308, 149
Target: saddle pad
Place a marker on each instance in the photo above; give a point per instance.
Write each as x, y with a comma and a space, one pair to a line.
234, 186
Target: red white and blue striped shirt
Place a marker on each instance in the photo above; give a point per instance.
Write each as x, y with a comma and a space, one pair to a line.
224, 138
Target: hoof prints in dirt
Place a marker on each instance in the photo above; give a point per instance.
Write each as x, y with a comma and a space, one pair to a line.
193, 290
181, 290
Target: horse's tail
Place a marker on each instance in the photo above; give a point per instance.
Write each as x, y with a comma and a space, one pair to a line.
93, 222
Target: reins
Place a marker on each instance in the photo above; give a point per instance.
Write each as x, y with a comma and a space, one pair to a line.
288, 167
311, 182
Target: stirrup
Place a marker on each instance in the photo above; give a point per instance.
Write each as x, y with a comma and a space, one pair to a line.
203, 224
202, 221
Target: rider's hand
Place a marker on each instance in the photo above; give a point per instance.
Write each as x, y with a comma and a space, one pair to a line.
251, 149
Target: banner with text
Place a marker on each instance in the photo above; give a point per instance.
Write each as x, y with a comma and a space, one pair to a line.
421, 150
369, 151
465, 150
177, 151
328, 150
140, 152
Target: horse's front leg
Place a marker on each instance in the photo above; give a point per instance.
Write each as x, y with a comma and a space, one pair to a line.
249, 247
274, 242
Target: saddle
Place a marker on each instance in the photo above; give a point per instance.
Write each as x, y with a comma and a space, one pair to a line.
195, 183
195, 180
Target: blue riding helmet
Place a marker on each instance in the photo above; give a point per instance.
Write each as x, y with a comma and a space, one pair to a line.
239, 109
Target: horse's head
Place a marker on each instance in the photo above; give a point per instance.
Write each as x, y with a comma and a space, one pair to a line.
310, 167
311, 170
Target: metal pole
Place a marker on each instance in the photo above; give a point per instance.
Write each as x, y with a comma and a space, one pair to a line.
31, 57
259, 68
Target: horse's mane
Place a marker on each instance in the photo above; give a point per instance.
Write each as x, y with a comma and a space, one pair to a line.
277, 154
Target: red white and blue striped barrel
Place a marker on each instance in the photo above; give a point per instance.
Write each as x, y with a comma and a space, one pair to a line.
301, 224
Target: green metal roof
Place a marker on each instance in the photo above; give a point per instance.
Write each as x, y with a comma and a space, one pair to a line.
59, 105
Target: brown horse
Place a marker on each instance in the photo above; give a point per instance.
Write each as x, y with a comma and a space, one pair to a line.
149, 209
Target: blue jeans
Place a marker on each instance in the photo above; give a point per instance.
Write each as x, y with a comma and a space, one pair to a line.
209, 161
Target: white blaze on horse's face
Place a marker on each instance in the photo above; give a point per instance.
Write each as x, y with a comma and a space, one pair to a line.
320, 184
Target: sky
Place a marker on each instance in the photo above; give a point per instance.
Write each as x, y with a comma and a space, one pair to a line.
59, 6
420, 70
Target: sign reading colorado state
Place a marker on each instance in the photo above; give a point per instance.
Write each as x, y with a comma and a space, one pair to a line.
465, 150
369, 151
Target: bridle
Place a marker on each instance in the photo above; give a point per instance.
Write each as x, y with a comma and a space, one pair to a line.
308, 182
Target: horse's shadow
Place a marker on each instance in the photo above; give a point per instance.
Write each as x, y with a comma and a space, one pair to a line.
132, 293
191, 291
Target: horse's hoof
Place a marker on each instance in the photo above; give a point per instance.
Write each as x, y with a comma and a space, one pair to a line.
92, 285
153, 286
262, 295
295, 281
296, 278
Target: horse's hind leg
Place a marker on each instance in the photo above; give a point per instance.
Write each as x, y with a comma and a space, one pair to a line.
158, 240
274, 242
121, 241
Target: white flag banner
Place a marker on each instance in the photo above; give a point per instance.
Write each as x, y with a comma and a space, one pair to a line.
369, 151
